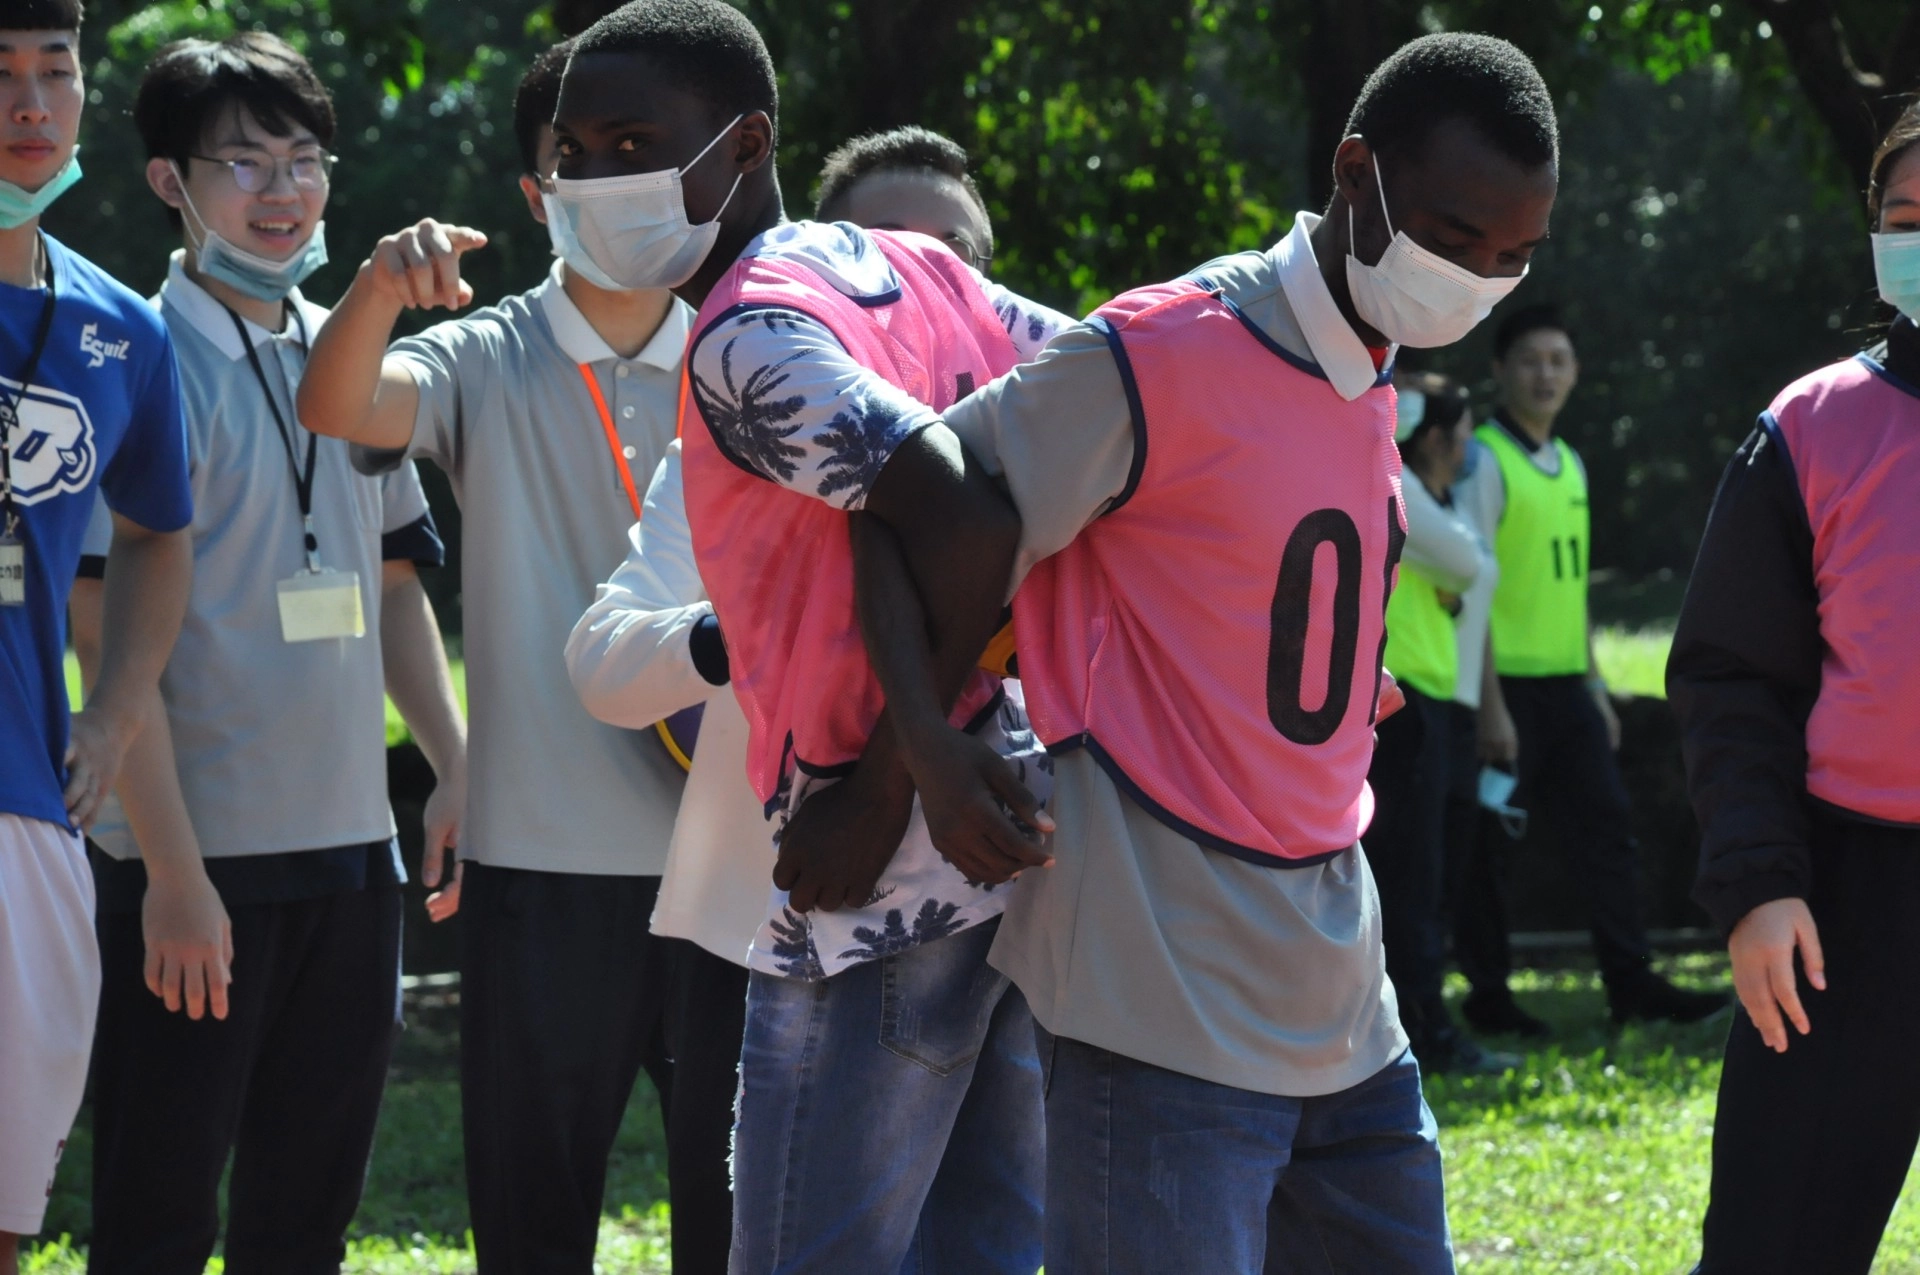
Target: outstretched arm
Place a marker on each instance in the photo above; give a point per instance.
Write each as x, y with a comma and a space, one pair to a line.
350, 389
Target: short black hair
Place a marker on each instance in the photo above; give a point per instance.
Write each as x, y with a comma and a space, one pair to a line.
1543, 316
706, 47
911, 149
1458, 75
42, 15
190, 82
534, 102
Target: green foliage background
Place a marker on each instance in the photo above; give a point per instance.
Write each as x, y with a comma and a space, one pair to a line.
1708, 246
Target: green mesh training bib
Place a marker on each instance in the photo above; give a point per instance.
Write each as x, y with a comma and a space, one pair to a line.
1422, 650
1540, 605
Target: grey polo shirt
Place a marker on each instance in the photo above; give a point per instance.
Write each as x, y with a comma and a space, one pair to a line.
281, 747
505, 410
1138, 939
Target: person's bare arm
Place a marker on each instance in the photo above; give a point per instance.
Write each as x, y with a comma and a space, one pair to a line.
189, 939
350, 389
932, 558
144, 598
421, 686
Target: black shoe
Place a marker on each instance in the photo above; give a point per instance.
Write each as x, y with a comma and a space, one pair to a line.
1458, 1054
1650, 999
1499, 1014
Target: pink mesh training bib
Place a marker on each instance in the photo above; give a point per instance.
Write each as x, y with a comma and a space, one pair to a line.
1215, 638
777, 564
1854, 437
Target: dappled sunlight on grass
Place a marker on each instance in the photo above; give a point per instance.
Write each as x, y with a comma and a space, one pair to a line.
1591, 1158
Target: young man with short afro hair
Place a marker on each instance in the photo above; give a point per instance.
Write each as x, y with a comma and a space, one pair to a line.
1211, 513
889, 1100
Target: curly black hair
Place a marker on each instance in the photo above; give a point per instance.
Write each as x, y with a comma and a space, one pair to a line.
1458, 75
706, 47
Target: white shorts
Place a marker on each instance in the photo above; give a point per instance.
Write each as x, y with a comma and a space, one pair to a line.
49, 996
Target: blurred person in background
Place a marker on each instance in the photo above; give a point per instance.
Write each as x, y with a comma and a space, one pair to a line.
1415, 758
1794, 679
1530, 503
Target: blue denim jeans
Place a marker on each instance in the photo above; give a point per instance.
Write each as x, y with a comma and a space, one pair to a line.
890, 1119
1152, 1171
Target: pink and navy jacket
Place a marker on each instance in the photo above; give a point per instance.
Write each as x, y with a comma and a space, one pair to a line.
1796, 667
777, 564
1214, 638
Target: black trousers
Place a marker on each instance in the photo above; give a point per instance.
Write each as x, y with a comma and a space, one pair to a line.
1406, 848
1811, 1147
1478, 863
1571, 788
565, 997
289, 1083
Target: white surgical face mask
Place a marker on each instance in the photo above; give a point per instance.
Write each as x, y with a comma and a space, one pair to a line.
626, 233
1415, 297
1896, 265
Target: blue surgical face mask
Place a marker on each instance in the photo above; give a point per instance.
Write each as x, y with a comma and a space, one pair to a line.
1496, 790
249, 274
1896, 264
18, 207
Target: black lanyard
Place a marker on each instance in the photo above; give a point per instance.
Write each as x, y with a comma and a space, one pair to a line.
10, 411
302, 483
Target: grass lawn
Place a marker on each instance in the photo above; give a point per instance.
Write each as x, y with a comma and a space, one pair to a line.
1592, 1158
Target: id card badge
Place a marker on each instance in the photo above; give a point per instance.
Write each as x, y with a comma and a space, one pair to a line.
13, 572
321, 604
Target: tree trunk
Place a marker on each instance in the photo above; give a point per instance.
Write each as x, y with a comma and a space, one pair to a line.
1856, 98
905, 48
1343, 41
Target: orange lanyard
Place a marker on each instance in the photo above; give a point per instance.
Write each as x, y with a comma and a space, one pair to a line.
613, 438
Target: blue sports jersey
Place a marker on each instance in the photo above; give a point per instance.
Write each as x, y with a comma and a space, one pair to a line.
103, 411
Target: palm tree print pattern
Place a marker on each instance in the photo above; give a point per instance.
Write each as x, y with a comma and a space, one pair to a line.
858, 440
935, 920
751, 419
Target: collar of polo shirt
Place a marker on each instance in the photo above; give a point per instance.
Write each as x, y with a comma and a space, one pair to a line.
212, 320
582, 344
1339, 351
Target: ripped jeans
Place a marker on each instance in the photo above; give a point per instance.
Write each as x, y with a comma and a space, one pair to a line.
890, 1120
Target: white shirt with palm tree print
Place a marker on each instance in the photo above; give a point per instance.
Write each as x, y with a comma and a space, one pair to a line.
781, 394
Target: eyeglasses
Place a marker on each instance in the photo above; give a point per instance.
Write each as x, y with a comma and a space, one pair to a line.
254, 171
978, 258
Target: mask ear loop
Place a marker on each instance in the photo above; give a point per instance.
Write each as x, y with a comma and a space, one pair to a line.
188, 200
715, 142
1379, 186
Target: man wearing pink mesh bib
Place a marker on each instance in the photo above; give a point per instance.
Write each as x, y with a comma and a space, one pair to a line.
1211, 521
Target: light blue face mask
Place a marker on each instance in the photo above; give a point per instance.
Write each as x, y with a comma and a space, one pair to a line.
18, 207
261, 278
1896, 264
1496, 790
